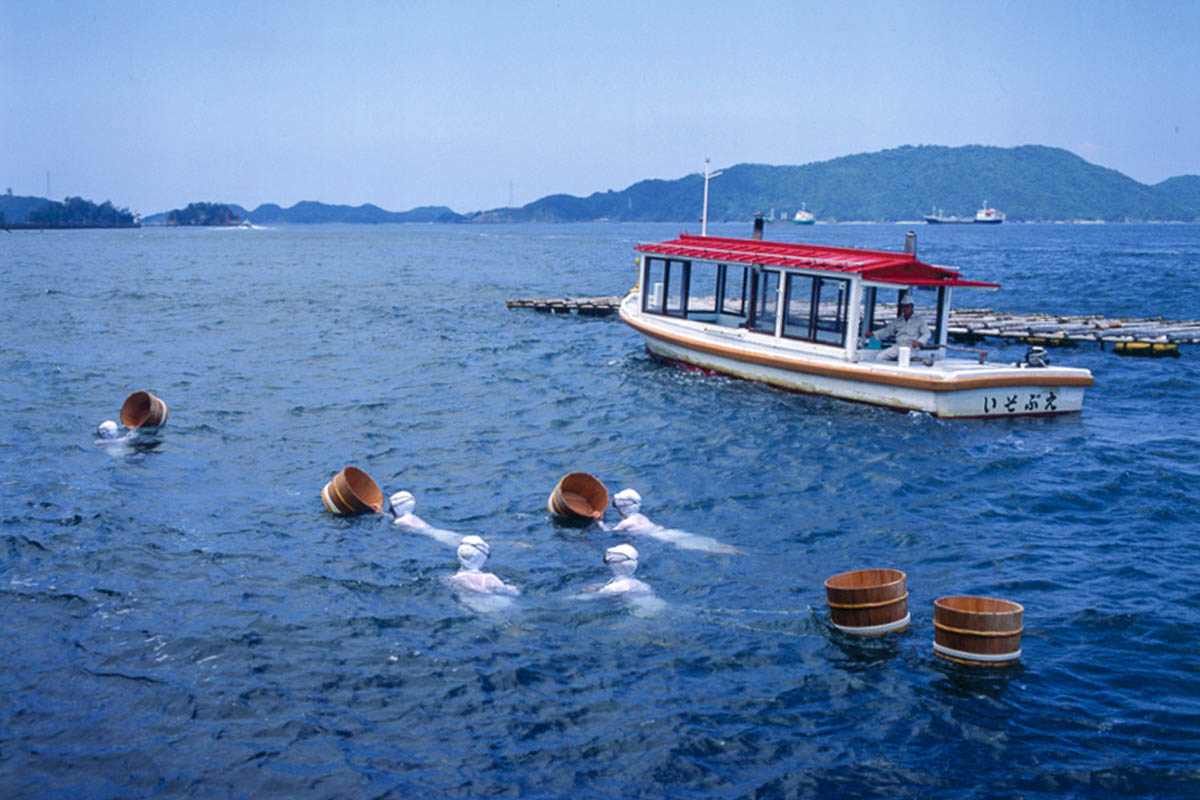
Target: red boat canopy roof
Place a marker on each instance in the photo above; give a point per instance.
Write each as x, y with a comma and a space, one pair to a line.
872, 265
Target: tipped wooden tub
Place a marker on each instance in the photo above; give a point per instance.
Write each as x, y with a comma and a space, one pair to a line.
977, 631
143, 410
352, 491
579, 498
868, 602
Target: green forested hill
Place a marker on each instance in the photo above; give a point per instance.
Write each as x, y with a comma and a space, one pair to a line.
1026, 183
16, 208
1184, 189
72, 212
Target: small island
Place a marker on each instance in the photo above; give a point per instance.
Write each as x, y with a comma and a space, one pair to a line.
75, 212
217, 214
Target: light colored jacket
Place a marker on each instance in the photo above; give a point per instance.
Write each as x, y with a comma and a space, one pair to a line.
906, 331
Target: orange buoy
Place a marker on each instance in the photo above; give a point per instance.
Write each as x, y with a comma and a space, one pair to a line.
143, 410
977, 631
352, 491
578, 497
868, 602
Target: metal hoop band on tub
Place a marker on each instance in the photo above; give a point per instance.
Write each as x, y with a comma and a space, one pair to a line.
964, 656
871, 629
869, 605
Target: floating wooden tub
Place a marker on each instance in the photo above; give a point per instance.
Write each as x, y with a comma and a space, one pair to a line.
579, 498
352, 491
977, 631
868, 602
143, 410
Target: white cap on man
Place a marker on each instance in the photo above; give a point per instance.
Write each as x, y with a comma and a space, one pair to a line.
107, 429
402, 503
622, 560
473, 552
627, 501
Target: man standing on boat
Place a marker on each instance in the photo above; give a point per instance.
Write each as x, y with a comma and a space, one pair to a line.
909, 330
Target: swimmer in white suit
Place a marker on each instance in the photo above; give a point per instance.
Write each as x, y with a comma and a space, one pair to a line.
115, 444
629, 504
623, 561
473, 553
403, 504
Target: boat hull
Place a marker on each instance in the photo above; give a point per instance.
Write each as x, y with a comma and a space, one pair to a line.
950, 389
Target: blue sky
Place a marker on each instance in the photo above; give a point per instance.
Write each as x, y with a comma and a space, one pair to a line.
156, 104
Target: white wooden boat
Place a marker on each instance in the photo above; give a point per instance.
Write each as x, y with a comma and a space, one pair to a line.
795, 316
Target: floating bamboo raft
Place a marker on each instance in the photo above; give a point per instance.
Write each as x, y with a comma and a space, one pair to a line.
1150, 336
584, 306
1071, 330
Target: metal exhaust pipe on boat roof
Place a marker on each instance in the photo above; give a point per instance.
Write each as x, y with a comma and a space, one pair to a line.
758, 227
910, 244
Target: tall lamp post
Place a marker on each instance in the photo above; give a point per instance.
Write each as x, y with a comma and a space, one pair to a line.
704, 214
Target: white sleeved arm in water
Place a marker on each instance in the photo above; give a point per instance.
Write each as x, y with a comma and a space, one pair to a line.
690, 541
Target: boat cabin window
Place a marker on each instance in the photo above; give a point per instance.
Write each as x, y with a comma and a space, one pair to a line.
665, 287
677, 280
867, 313
766, 301
797, 324
881, 306
829, 322
702, 290
733, 290
816, 309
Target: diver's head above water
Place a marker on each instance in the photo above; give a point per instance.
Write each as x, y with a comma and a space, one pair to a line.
473, 552
622, 560
402, 503
627, 501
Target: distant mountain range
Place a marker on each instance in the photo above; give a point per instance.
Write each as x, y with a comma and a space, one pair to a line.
1029, 183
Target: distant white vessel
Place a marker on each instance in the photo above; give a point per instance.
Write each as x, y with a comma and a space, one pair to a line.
939, 217
989, 216
803, 216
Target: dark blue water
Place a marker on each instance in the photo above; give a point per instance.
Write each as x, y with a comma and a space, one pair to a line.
183, 619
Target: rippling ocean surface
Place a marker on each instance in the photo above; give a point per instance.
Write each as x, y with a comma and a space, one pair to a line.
184, 619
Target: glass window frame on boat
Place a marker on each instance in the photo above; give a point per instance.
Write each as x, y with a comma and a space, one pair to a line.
817, 305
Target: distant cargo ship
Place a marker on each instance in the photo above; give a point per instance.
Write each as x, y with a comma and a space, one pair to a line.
939, 217
989, 216
804, 216
985, 216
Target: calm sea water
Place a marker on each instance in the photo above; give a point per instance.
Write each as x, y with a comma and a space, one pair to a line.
184, 619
